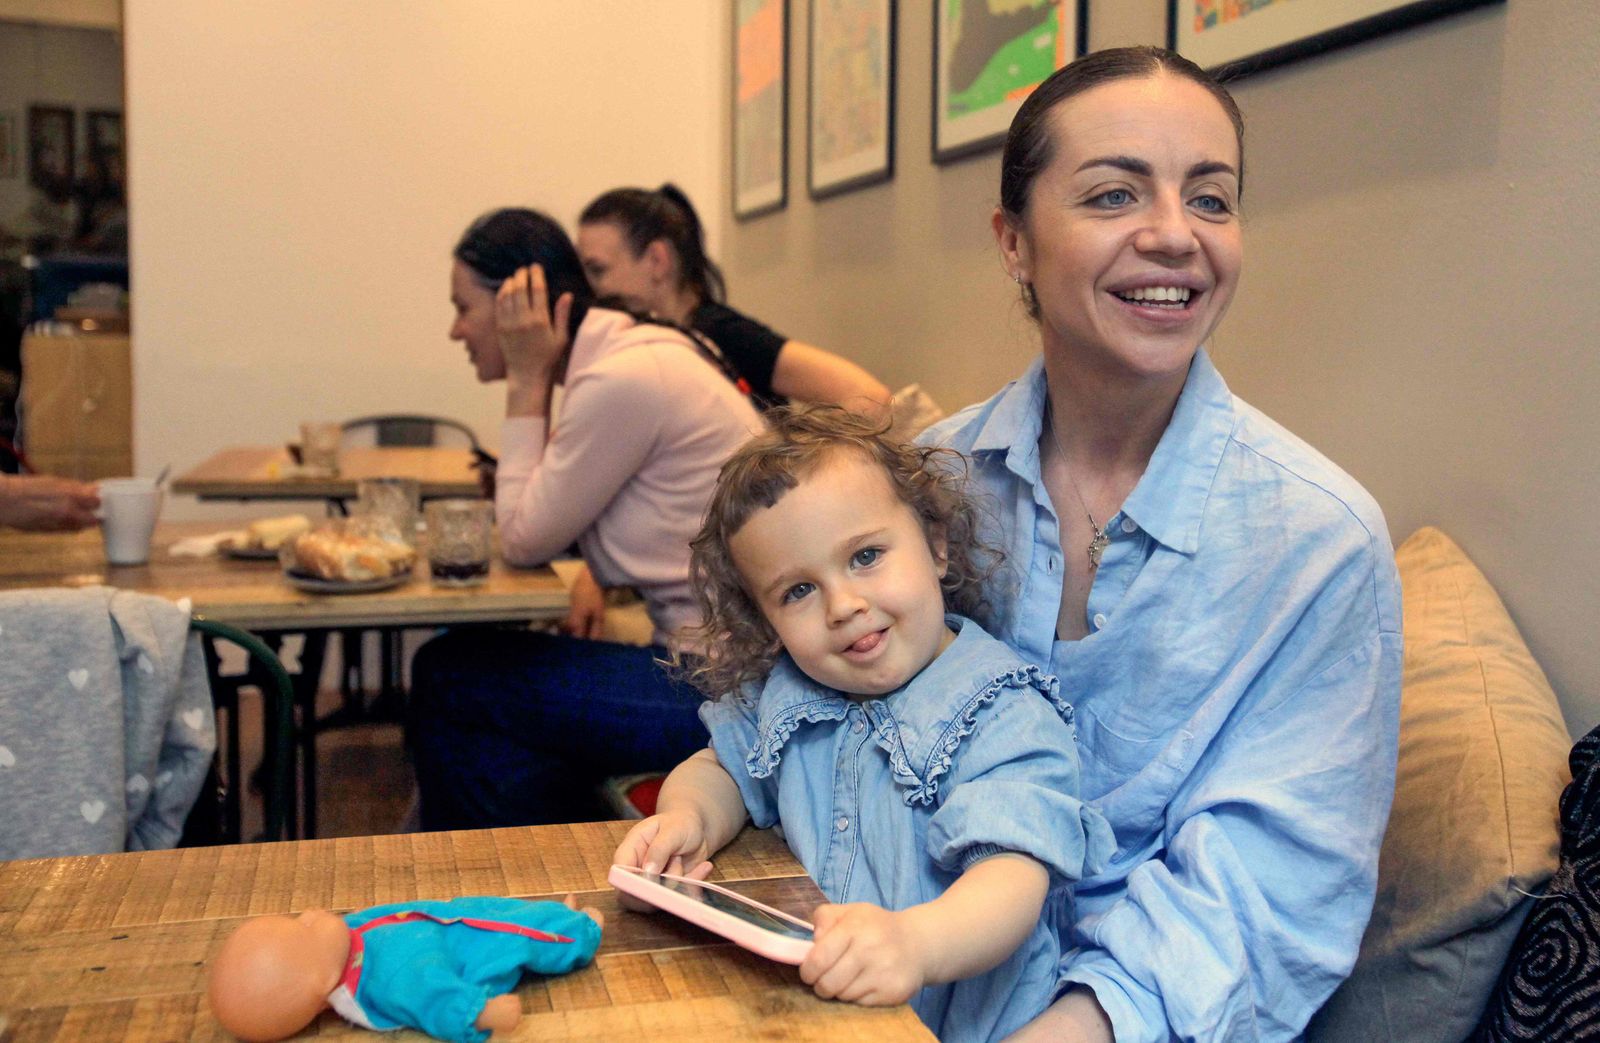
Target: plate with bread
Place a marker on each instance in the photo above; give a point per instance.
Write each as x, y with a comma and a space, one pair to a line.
264, 538
349, 556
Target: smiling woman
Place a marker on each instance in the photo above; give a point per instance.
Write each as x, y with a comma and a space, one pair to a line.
1219, 600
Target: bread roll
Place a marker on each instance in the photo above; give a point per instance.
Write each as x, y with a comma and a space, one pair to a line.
349, 556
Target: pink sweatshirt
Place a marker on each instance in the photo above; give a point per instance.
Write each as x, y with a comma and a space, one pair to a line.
645, 424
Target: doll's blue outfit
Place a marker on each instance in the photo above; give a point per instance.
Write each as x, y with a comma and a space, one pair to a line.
433, 965
889, 799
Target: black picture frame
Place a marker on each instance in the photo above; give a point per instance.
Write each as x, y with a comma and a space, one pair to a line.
1260, 51
874, 163
759, 135
52, 150
103, 160
951, 140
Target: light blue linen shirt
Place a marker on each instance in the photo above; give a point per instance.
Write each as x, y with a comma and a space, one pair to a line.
888, 800
1238, 700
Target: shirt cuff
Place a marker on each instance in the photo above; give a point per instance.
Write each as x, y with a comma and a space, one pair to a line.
1136, 1013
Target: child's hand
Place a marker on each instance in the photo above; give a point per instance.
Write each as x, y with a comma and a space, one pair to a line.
671, 842
864, 954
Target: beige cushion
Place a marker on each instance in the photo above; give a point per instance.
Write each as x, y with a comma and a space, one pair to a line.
1475, 824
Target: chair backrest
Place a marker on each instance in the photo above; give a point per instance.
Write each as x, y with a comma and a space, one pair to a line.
402, 429
277, 702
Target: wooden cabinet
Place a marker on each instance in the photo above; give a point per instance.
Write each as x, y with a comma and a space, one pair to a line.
76, 404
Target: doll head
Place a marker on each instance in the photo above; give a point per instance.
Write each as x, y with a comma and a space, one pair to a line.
274, 973
825, 540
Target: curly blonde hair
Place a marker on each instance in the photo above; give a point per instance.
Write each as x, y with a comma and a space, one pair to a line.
739, 644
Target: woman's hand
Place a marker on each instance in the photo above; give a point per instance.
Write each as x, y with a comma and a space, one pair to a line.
865, 954
586, 616
532, 338
47, 503
671, 842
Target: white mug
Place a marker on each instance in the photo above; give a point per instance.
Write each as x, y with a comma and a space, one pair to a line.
128, 511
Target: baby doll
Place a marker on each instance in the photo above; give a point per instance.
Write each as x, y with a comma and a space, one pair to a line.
445, 967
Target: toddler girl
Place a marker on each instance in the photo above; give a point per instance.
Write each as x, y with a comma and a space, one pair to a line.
924, 776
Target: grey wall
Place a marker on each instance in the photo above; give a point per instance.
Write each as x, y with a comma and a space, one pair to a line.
1421, 228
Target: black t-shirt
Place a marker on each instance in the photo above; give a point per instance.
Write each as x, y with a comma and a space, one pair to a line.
750, 348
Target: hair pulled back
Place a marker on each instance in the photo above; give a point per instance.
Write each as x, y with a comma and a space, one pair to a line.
741, 645
666, 214
501, 242
1029, 145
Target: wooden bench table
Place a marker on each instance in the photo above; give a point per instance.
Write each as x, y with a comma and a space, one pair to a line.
115, 947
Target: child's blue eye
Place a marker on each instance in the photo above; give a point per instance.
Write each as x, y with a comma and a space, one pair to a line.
796, 592
866, 556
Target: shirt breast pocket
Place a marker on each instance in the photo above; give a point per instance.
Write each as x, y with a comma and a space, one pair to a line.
1132, 779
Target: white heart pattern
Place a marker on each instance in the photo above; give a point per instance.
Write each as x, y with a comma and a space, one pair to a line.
7, 758
137, 783
79, 678
193, 719
145, 665
162, 778
187, 604
91, 810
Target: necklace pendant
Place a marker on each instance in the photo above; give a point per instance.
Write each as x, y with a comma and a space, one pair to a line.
1097, 547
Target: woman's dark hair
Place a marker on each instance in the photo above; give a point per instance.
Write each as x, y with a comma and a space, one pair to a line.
1029, 145
665, 214
500, 242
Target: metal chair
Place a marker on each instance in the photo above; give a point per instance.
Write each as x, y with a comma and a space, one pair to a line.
409, 428
218, 817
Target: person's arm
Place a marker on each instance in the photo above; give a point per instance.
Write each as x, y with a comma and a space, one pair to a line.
531, 339
809, 374
43, 502
586, 615
1267, 868
698, 811
548, 494
869, 955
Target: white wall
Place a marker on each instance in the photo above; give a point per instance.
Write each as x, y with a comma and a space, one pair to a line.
299, 171
1421, 214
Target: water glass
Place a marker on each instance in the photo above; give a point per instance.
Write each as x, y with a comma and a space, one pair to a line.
460, 540
319, 447
397, 501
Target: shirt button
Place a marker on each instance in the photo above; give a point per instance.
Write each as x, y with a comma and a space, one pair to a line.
858, 726
841, 823
1129, 525
1099, 620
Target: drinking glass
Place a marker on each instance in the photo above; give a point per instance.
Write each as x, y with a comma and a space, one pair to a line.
319, 447
395, 500
460, 540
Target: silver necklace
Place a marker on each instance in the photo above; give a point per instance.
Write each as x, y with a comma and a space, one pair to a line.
1099, 541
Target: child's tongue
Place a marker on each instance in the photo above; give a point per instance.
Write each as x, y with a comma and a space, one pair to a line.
868, 643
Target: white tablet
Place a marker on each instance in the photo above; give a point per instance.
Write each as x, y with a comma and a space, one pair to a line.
760, 928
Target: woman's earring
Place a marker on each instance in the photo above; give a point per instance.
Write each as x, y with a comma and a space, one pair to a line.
1017, 278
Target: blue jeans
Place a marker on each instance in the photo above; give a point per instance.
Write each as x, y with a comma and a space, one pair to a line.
512, 728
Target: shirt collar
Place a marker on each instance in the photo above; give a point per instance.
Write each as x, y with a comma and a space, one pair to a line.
1169, 501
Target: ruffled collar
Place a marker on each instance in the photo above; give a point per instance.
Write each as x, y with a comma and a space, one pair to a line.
921, 725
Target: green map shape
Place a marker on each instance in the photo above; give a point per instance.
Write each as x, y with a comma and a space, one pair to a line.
1016, 64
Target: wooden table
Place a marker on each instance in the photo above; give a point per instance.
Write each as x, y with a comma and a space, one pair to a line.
260, 473
113, 947
253, 595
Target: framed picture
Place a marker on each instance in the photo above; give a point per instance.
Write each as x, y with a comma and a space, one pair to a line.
103, 162
1231, 38
10, 151
852, 95
51, 160
760, 106
985, 62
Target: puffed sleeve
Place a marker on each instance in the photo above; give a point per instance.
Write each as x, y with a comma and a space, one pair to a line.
732, 723
1253, 913
1013, 786
547, 494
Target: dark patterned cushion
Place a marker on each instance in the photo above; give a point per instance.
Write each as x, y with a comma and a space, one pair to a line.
1550, 990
